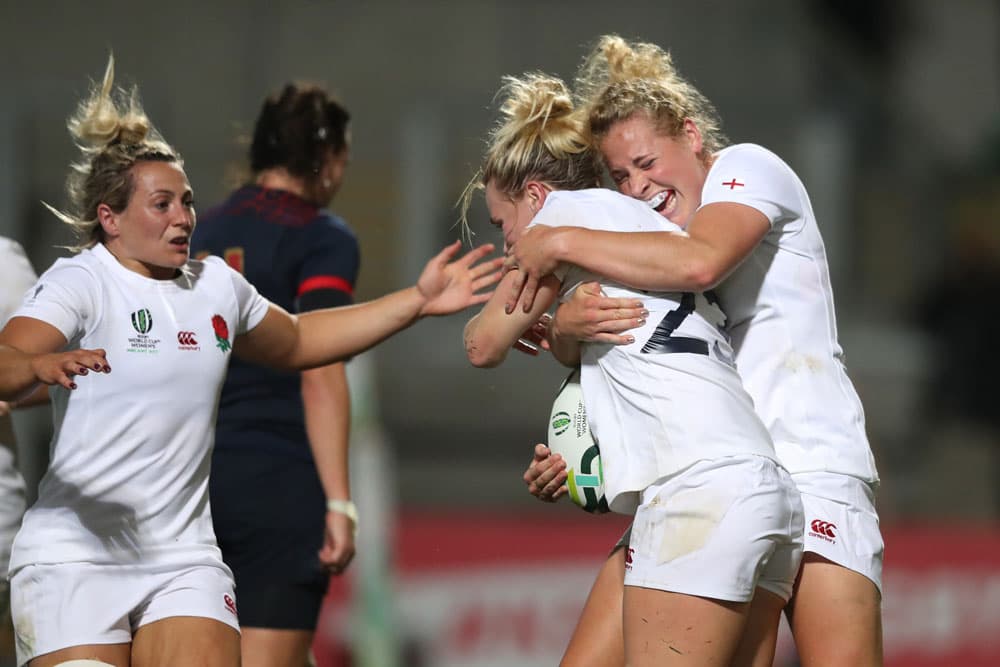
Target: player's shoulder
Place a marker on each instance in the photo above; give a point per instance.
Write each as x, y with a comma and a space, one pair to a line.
9, 247
84, 265
748, 154
333, 226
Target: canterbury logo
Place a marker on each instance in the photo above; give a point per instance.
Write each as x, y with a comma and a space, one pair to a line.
186, 338
823, 527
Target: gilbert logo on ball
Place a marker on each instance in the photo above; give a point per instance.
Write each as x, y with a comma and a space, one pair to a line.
569, 436
560, 422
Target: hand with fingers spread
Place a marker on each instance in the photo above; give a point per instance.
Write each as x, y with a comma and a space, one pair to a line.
594, 318
533, 256
450, 286
338, 542
546, 475
60, 368
535, 338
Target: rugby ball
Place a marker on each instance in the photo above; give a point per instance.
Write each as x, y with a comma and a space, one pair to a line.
569, 436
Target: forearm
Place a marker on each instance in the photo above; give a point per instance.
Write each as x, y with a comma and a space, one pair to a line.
327, 403
656, 261
490, 334
336, 334
565, 349
17, 376
329, 335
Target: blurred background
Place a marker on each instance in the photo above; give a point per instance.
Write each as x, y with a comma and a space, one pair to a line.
889, 110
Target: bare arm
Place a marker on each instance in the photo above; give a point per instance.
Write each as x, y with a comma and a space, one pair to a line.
322, 337
30, 354
490, 335
327, 403
719, 237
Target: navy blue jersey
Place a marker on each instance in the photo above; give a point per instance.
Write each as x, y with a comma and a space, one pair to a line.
300, 257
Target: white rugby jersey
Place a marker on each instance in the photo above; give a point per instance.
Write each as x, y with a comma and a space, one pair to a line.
781, 318
128, 478
657, 411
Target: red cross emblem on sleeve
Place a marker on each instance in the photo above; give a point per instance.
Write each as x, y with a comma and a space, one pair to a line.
733, 184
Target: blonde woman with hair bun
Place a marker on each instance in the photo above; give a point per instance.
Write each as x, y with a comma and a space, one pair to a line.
753, 238
117, 561
716, 518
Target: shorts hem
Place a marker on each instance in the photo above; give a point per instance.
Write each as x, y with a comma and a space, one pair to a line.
40, 651
726, 596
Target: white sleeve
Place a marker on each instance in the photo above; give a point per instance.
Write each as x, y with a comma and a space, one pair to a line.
16, 277
251, 306
755, 177
66, 296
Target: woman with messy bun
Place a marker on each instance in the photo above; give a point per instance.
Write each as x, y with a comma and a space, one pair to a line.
117, 560
682, 449
753, 238
289, 428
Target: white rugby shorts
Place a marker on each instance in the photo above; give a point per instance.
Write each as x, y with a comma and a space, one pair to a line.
718, 529
841, 523
74, 604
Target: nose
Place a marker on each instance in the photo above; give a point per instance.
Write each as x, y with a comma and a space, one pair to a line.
638, 185
185, 219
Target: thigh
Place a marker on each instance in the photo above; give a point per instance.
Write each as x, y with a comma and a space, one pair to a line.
663, 628
186, 640
760, 637
833, 601
597, 640
264, 647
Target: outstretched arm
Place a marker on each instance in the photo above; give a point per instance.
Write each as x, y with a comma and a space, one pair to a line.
30, 355
719, 237
325, 336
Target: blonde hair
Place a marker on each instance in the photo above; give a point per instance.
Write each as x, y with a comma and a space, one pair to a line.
620, 79
540, 136
113, 133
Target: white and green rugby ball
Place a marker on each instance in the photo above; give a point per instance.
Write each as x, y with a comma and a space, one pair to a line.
569, 436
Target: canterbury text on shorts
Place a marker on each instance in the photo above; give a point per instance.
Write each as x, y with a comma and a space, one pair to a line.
841, 523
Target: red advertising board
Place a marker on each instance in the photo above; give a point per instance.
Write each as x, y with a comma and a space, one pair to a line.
484, 590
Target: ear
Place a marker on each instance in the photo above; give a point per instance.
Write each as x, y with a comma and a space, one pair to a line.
108, 220
536, 192
693, 135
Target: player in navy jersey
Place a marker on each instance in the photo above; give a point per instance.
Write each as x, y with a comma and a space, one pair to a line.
282, 438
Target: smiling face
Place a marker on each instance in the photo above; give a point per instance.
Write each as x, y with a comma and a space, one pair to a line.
152, 235
665, 171
512, 215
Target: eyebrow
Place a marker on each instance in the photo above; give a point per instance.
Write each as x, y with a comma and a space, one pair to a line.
164, 191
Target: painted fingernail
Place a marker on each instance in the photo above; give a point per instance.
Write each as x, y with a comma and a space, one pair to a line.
644, 313
639, 322
72, 385
629, 339
83, 371
97, 367
107, 369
